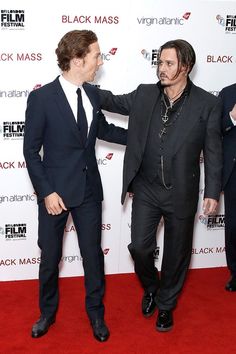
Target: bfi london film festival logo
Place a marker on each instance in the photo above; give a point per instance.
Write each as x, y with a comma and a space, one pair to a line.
150, 56
168, 21
213, 222
228, 23
13, 19
104, 161
12, 130
14, 232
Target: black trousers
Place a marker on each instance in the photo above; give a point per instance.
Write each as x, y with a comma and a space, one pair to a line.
87, 221
151, 202
230, 222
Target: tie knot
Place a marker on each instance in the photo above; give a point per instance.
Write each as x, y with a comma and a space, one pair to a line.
78, 91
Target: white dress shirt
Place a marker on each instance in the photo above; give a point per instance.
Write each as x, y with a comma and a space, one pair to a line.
71, 95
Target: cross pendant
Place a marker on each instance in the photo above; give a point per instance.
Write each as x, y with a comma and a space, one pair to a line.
162, 132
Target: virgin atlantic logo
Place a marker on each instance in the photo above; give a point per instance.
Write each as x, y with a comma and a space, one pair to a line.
104, 161
107, 56
113, 51
167, 21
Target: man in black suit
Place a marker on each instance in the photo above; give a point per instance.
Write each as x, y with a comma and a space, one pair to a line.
170, 123
228, 96
66, 179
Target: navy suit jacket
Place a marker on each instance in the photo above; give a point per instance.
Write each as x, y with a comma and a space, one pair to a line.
228, 95
56, 159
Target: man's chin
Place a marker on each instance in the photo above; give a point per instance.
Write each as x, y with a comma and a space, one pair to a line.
164, 83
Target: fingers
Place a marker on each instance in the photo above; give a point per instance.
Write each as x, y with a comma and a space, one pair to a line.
62, 205
54, 204
209, 206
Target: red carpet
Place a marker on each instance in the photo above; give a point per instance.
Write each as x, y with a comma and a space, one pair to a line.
204, 321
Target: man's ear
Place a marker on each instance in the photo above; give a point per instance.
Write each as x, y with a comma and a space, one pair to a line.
77, 61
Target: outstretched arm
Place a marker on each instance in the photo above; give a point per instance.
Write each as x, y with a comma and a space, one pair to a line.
121, 104
110, 132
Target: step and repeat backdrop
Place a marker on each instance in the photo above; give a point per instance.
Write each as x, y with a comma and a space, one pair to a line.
130, 34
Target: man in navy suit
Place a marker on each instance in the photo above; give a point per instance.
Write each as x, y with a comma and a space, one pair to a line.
66, 179
228, 95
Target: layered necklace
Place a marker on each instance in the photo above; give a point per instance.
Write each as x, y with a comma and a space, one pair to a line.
165, 111
172, 102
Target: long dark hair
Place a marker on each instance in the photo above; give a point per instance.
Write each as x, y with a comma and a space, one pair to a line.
184, 51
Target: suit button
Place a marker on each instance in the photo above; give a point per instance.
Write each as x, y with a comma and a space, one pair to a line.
85, 169
234, 159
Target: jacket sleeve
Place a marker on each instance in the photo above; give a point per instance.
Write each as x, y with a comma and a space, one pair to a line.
35, 125
213, 156
110, 132
121, 104
227, 124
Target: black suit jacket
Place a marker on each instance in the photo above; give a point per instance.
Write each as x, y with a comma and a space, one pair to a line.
65, 161
200, 130
228, 96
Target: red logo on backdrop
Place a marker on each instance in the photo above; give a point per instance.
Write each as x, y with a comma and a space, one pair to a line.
104, 161
186, 15
107, 56
109, 156
113, 51
106, 250
37, 86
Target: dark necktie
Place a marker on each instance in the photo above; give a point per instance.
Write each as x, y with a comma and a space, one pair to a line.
81, 118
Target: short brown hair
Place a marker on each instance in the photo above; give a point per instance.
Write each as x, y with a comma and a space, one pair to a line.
184, 51
74, 44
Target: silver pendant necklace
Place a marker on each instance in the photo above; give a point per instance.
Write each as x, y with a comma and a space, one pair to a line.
165, 117
172, 100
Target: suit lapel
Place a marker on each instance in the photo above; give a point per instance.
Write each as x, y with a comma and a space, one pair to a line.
65, 108
151, 99
188, 118
92, 94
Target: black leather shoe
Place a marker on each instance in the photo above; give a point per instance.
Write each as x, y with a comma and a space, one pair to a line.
100, 330
164, 321
148, 304
231, 285
41, 327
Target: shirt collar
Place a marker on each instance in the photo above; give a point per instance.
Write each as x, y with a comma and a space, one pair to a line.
68, 86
